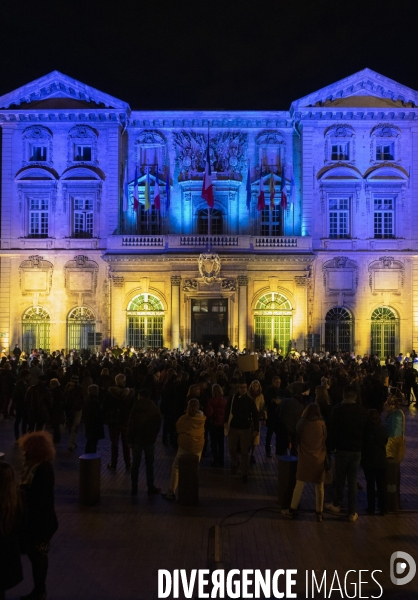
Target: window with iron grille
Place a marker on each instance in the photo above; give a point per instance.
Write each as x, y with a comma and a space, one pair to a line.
271, 221
339, 218
38, 217
83, 217
384, 218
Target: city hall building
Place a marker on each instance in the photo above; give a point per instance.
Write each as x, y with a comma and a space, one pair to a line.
86, 249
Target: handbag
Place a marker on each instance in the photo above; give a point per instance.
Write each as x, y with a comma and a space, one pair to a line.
226, 425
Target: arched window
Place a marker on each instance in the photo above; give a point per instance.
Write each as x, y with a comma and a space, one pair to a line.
384, 332
145, 317
80, 322
273, 322
216, 222
338, 330
35, 329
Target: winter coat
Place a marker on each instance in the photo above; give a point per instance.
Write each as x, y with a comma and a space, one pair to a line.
394, 423
42, 520
373, 455
93, 418
348, 421
215, 410
191, 433
7, 381
311, 450
57, 409
73, 399
38, 402
10, 562
117, 406
19, 394
144, 423
290, 411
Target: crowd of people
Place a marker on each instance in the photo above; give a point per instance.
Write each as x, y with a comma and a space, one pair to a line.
311, 405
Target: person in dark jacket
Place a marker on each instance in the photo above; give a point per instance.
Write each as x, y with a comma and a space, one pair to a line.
37, 480
373, 461
289, 412
19, 395
7, 384
348, 421
10, 522
272, 399
241, 412
215, 413
73, 403
117, 408
38, 403
143, 426
57, 415
169, 408
93, 419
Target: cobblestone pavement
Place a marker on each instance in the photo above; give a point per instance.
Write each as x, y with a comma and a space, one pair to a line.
113, 551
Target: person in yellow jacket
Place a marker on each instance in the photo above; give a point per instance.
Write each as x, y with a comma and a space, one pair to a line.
190, 438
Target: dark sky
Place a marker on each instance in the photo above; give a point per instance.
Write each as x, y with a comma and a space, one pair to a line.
247, 54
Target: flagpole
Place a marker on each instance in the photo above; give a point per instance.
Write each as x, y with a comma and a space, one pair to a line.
209, 208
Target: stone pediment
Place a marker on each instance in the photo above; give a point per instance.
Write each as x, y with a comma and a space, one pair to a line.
363, 89
57, 90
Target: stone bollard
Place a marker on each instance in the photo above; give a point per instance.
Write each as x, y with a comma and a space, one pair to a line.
393, 485
89, 479
286, 479
188, 490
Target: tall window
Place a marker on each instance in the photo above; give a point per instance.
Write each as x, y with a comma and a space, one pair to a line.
338, 330
83, 217
273, 322
385, 150
80, 322
384, 332
38, 217
384, 221
271, 221
148, 221
216, 222
340, 151
36, 328
339, 218
145, 318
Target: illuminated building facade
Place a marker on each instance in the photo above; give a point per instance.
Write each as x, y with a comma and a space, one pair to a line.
336, 269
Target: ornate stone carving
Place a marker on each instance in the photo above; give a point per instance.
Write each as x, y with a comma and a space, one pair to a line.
271, 148
85, 136
151, 141
118, 281
35, 275
242, 280
300, 280
227, 152
189, 285
209, 267
339, 134
36, 135
175, 280
80, 275
386, 132
340, 275
386, 275
229, 285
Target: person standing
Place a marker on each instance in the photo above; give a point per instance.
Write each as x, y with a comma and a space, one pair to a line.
19, 395
273, 397
348, 421
256, 393
11, 514
117, 408
373, 461
38, 403
143, 426
73, 403
57, 415
215, 413
7, 383
93, 419
241, 415
37, 480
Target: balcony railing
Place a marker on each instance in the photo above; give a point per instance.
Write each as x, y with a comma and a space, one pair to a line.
204, 240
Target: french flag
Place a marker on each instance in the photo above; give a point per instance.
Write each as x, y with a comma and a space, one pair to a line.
207, 189
157, 196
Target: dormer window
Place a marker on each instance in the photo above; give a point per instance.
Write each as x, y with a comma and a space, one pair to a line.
340, 151
385, 151
82, 152
385, 144
37, 146
82, 146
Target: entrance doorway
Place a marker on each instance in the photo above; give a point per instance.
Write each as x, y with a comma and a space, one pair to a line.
210, 321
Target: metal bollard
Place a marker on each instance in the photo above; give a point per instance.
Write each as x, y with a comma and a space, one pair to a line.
89, 493
393, 485
287, 466
188, 490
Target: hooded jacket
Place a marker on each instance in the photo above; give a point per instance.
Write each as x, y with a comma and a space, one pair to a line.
144, 423
118, 405
191, 433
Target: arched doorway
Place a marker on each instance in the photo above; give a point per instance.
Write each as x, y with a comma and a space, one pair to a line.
273, 322
145, 318
338, 330
384, 332
36, 327
80, 322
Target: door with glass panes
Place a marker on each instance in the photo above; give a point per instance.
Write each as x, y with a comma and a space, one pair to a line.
273, 322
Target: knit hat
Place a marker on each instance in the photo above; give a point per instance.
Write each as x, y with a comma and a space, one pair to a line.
74, 379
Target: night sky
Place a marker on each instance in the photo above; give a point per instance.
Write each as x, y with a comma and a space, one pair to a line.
248, 54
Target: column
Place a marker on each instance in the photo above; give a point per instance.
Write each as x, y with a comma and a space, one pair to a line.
175, 311
118, 333
243, 310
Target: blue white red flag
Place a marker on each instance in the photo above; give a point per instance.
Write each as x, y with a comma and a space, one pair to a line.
283, 191
207, 188
157, 196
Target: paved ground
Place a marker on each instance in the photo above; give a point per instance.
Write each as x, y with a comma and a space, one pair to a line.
114, 550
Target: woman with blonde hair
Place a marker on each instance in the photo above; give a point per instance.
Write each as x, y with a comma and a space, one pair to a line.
10, 522
312, 434
256, 393
37, 480
190, 438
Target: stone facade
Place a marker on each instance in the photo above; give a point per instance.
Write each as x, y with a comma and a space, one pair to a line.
80, 254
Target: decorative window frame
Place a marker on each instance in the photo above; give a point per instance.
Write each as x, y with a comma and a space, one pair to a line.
346, 269
82, 135
389, 133
150, 139
384, 270
272, 141
337, 134
30, 189
71, 189
35, 264
81, 264
31, 135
